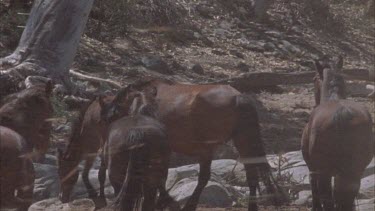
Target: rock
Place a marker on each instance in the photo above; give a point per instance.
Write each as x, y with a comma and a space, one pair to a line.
80, 191
50, 160
155, 63
214, 194
46, 181
197, 68
366, 204
304, 198
289, 48
63, 129
368, 186
269, 46
224, 169
217, 52
256, 46
243, 67
54, 204
205, 11
236, 53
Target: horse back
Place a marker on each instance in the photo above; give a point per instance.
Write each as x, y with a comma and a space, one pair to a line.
340, 135
197, 115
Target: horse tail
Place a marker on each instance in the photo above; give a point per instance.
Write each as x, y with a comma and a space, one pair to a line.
252, 150
130, 195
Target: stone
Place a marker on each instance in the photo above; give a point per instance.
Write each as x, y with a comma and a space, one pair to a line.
155, 63
197, 68
236, 53
366, 204
54, 204
304, 198
214, 194
243, 67
367, 188
46, 183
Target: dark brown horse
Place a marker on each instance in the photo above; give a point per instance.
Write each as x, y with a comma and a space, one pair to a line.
137, 150
28, 113
337, 142
16, 171
198, 118
87, 137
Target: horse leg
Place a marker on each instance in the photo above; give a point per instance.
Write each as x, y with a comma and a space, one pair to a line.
85, 177
314, 178
253, 165
117, 167
204, 176
101, 176
345, 190
325, 192
149, 194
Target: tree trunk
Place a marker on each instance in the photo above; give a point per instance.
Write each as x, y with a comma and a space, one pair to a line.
49, 41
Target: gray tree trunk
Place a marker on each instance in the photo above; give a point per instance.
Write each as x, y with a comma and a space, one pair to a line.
49, 42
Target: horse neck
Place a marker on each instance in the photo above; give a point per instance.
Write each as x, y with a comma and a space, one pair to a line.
331, 89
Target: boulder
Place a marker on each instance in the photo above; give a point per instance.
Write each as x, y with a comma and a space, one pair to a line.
367, 189
366, 204
54, 204
214, 194
155, 63
46, 181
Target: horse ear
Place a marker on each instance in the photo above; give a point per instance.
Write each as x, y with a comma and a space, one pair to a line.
121, 94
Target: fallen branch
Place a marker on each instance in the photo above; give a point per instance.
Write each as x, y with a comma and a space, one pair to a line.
81, 76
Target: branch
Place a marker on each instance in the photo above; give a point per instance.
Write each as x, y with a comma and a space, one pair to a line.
81, 76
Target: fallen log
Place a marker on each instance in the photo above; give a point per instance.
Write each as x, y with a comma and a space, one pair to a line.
255, 80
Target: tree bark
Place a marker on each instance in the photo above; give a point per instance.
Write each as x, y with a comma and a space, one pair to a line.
49, 41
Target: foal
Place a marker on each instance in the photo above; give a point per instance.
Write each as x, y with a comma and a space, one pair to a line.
87, 137
337, 142
137, 150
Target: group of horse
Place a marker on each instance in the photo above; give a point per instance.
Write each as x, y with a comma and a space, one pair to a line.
135, 131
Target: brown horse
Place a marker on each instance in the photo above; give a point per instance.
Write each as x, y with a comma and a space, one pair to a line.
138, 151
87, 137
16, 171
28, 113
337, 142
198, 118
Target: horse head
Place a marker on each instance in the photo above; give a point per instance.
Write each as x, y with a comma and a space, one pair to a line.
128, 101
28, 112
328, 82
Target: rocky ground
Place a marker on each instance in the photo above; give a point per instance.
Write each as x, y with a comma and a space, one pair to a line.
214, 41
